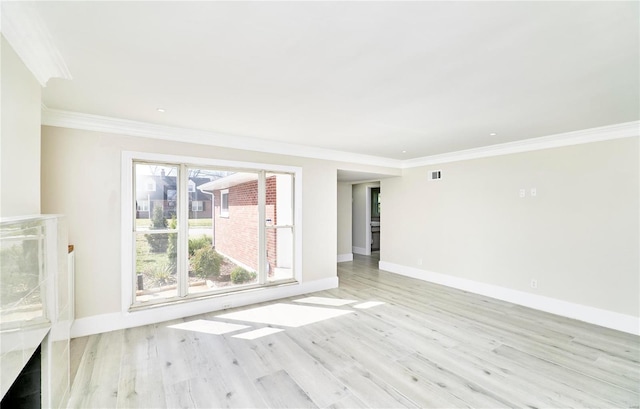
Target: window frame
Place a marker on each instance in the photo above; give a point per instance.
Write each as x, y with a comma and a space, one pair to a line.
224, 212
199, 208
128, 212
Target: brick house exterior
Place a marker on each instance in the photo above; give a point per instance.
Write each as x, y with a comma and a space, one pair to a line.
235, 231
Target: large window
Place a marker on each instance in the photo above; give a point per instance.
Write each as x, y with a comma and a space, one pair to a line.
208, 229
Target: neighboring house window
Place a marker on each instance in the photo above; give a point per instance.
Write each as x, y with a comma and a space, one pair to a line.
150, 185
174, 250
224, 203
143, 205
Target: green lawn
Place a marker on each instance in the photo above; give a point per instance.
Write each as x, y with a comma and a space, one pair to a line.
200, 223
147, 260
193, 223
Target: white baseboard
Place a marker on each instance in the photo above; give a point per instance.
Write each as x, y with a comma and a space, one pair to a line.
119, 320
361, 250
345, 257
592, 315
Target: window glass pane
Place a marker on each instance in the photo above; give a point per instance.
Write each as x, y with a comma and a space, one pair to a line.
279, 200
280, 253
375, 202
155, 266
156, 188
223, 238
156, 206
224, 203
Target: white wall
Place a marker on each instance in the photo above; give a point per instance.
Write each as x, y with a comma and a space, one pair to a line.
344, 221
578, 237
81, 179
358, 237
361, 215
19, 137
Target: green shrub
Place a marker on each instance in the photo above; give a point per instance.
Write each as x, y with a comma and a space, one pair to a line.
199, 243
206, 263
158, 242
172, 247
161, 272
240, 275
158, 222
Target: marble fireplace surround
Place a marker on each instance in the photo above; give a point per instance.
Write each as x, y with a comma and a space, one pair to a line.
36, 302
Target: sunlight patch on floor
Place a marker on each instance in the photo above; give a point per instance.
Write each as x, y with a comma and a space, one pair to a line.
285, 315
368, 304
334, 302
258, 333
209, 327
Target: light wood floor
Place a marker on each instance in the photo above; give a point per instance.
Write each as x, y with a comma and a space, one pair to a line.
427, 346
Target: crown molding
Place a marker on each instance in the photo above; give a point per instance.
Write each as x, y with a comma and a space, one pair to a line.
75, 120
30, 39
87, 122
603, 133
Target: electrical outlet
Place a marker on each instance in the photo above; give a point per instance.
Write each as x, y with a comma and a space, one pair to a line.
419, 261
226, 306
523, 192
534, 283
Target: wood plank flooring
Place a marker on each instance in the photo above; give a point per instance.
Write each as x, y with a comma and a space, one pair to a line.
426, 346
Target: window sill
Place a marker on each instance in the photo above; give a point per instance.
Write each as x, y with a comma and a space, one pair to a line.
210, 295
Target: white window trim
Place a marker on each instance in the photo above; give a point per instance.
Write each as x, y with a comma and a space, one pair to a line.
224, 212
199, 208
128, 217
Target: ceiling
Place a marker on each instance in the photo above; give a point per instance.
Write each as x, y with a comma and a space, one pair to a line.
397, 80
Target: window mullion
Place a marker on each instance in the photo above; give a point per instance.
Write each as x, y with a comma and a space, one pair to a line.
262, 241
294, 227
182, 274
133, 278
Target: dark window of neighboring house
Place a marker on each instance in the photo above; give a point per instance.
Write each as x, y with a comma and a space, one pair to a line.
143, 205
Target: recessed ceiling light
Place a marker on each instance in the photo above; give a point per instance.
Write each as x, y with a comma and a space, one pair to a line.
404, 151
492, 134
160, 109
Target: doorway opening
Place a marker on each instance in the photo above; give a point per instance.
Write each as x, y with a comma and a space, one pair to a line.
375, 219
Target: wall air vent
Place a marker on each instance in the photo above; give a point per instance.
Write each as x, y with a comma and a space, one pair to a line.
435, 175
